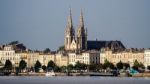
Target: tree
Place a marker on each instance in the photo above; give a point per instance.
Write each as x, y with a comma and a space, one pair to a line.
70, 67
99, 66
44, 68
8, 65
14, 43
47, 50
92, 67
63, 68
80, 66
108, 64
137, 65
51, 65
141, 65
37, 66
148, 67
126, 65
111, 65
119, 65
22, 64
57, 68
1, 64
61, 48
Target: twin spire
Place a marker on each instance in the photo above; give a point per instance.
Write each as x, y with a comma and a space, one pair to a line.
70, 23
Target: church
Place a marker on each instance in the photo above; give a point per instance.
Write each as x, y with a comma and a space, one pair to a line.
77, 42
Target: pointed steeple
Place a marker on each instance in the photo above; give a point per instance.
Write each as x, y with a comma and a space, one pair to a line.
70, 19
81, 30
81, 19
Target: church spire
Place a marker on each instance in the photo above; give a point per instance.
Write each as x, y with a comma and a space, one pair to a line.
81, 19
70, 19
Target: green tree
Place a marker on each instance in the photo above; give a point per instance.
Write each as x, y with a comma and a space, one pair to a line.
51, 65
111, 65
44, 68
70, 67
119, 65
47, 50
126, 65
14, 43
57, 68
136, 65
22, 65
141, 65
37, 66
61, 48
63, 68
108, 64
80, 66
148, 67
92, 67
8, 65
99, 66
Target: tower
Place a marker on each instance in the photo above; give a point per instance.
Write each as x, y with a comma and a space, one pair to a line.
69, 32
81, 34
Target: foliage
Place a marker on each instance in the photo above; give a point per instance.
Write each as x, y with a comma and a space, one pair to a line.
37, 66
108, 64
22, 64
8, 65
80, 66
47, 50
44, 68
61, 48
126, 65
99, 66
51, 65
119, 65
148, 67
92, 67
70, 67
14, 43
111, 66
63, 68
138, 65
57, 68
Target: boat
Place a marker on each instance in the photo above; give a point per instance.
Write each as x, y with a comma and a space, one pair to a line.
49, 74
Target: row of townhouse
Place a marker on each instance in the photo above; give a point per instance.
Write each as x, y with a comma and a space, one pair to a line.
61, 59
126, 56
87, 57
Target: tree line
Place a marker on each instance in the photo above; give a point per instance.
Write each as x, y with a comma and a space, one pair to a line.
69, 68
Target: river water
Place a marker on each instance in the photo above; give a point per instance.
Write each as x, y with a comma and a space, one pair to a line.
71, 80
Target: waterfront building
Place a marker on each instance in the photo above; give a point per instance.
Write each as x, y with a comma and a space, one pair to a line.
47, 57
147, 58
125, 56
8, 53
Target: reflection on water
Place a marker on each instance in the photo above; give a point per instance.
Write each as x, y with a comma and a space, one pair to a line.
72, 80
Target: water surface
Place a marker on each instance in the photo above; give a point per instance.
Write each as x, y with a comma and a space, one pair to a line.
71, 80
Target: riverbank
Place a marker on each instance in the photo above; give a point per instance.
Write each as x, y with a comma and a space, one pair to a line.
146, 74
141, 75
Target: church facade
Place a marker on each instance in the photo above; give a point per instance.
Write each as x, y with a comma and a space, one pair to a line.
77, 41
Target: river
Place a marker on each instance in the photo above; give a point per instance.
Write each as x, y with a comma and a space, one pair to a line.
71, 80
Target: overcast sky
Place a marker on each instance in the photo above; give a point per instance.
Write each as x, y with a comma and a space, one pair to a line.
40, 24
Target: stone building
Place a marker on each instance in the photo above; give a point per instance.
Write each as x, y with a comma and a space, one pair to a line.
125, 56
147, 58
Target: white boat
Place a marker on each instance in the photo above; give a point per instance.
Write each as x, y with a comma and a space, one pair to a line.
49, 74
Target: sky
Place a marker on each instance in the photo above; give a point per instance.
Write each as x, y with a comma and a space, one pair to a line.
40, 24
